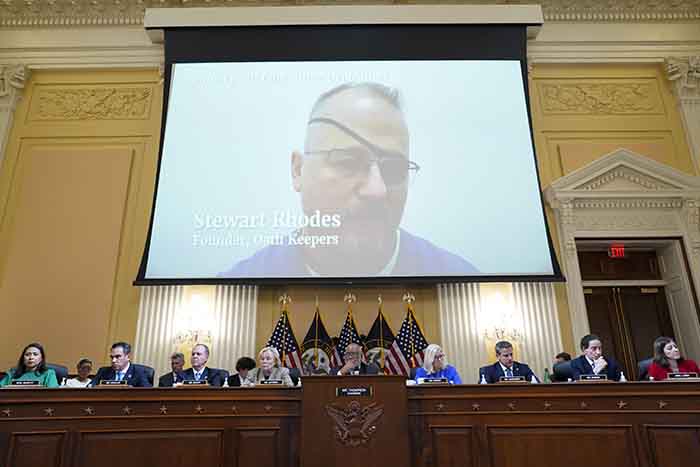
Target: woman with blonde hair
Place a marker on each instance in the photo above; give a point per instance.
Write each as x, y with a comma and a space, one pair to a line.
269, 369
435, 366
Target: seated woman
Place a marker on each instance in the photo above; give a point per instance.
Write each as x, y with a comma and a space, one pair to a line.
83, 379
31, 366
668, 359
435, 366
270, 369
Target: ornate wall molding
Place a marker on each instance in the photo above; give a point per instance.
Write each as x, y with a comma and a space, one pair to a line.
12, 81
583, 98
623, 195
684, 73
103, 103
42, 13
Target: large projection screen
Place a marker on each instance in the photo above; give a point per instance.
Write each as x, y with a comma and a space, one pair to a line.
347, 153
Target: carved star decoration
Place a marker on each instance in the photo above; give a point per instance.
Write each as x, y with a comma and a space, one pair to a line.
199, 409
511, 405
440, 406
48, 412
163, 410
127, 410
584, 405
267, 408
7, 413
663, 404
621, 404
476, 407
234, 409
89, 411
547, 405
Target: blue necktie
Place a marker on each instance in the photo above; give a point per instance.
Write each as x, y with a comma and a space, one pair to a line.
119, 376
509, 372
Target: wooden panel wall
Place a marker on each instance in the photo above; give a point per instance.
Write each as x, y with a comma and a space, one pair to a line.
76, 188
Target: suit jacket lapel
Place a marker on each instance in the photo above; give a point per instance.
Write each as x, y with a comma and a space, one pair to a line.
499, 371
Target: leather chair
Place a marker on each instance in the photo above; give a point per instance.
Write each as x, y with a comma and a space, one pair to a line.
149, 371
61, 371
295, 374
643, 369
562, 372
412, 374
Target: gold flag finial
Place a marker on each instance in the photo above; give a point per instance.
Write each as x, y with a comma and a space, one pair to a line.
349, 298
408, 297
379, 299
285, 299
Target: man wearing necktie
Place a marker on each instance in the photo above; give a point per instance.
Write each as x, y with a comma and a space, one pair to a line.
505, 366
122, 369
592, 362
200, 371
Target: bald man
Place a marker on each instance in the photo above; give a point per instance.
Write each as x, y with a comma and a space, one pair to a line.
354, 364
353, 178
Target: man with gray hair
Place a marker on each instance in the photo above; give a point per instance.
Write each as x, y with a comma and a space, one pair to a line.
177, 363
505, 367
353, 177
200, 371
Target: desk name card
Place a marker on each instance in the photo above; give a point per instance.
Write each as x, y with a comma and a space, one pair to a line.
512, 379
689, 375
433, 381
357, 391
276, 382
194, 382
22, 383
593, 378
113, 382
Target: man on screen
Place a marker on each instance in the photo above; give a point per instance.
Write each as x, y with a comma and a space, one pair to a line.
353, 179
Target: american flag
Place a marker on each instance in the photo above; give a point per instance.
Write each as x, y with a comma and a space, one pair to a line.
348, 335
283, 340
411, 342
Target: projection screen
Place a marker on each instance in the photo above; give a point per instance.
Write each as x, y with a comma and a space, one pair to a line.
347, 153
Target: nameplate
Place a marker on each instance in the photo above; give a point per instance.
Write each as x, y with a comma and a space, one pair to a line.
113, 382
433, 381
512, 379
194, 382
276, 382
593, 378
681, 376
361, 391
19, 383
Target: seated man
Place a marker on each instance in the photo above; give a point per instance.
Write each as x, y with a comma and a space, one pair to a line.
505, 366
122, 369
243, 366
592, 361
354, 364
200, 371
177, 363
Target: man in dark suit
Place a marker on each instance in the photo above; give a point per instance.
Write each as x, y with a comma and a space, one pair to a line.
592, 362
243, 366
122, 369
354, 364
177, 363
505, 366
200, 371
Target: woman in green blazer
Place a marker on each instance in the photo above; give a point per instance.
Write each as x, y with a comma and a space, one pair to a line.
31, 366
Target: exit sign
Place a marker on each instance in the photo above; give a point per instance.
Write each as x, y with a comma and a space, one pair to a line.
616, 250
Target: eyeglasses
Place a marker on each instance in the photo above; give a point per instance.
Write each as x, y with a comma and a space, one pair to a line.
355, 162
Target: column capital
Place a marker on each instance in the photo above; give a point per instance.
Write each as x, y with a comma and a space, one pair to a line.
684, 73
12, 77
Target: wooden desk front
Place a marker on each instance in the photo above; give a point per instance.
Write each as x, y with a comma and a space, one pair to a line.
558, 425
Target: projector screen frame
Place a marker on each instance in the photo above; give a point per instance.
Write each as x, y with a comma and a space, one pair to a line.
556, 276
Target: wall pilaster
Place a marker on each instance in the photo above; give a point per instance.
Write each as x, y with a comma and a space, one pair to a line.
12, 82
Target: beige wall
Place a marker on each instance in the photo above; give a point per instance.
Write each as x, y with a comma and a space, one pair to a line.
582, 112
76, 187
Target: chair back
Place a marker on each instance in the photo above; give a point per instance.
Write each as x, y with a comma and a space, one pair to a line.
148, 371
562, 371
643, 369
60, 370
412, 374
295, 374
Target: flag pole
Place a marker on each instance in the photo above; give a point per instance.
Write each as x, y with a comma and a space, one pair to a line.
381, 334
316, 318
409, 298
284, 300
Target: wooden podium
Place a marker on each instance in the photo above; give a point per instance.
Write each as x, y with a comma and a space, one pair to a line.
354, 421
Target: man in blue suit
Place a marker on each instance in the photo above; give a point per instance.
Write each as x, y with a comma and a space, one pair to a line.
505, 366
352, 177
592, 362
122, 369
200, 371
